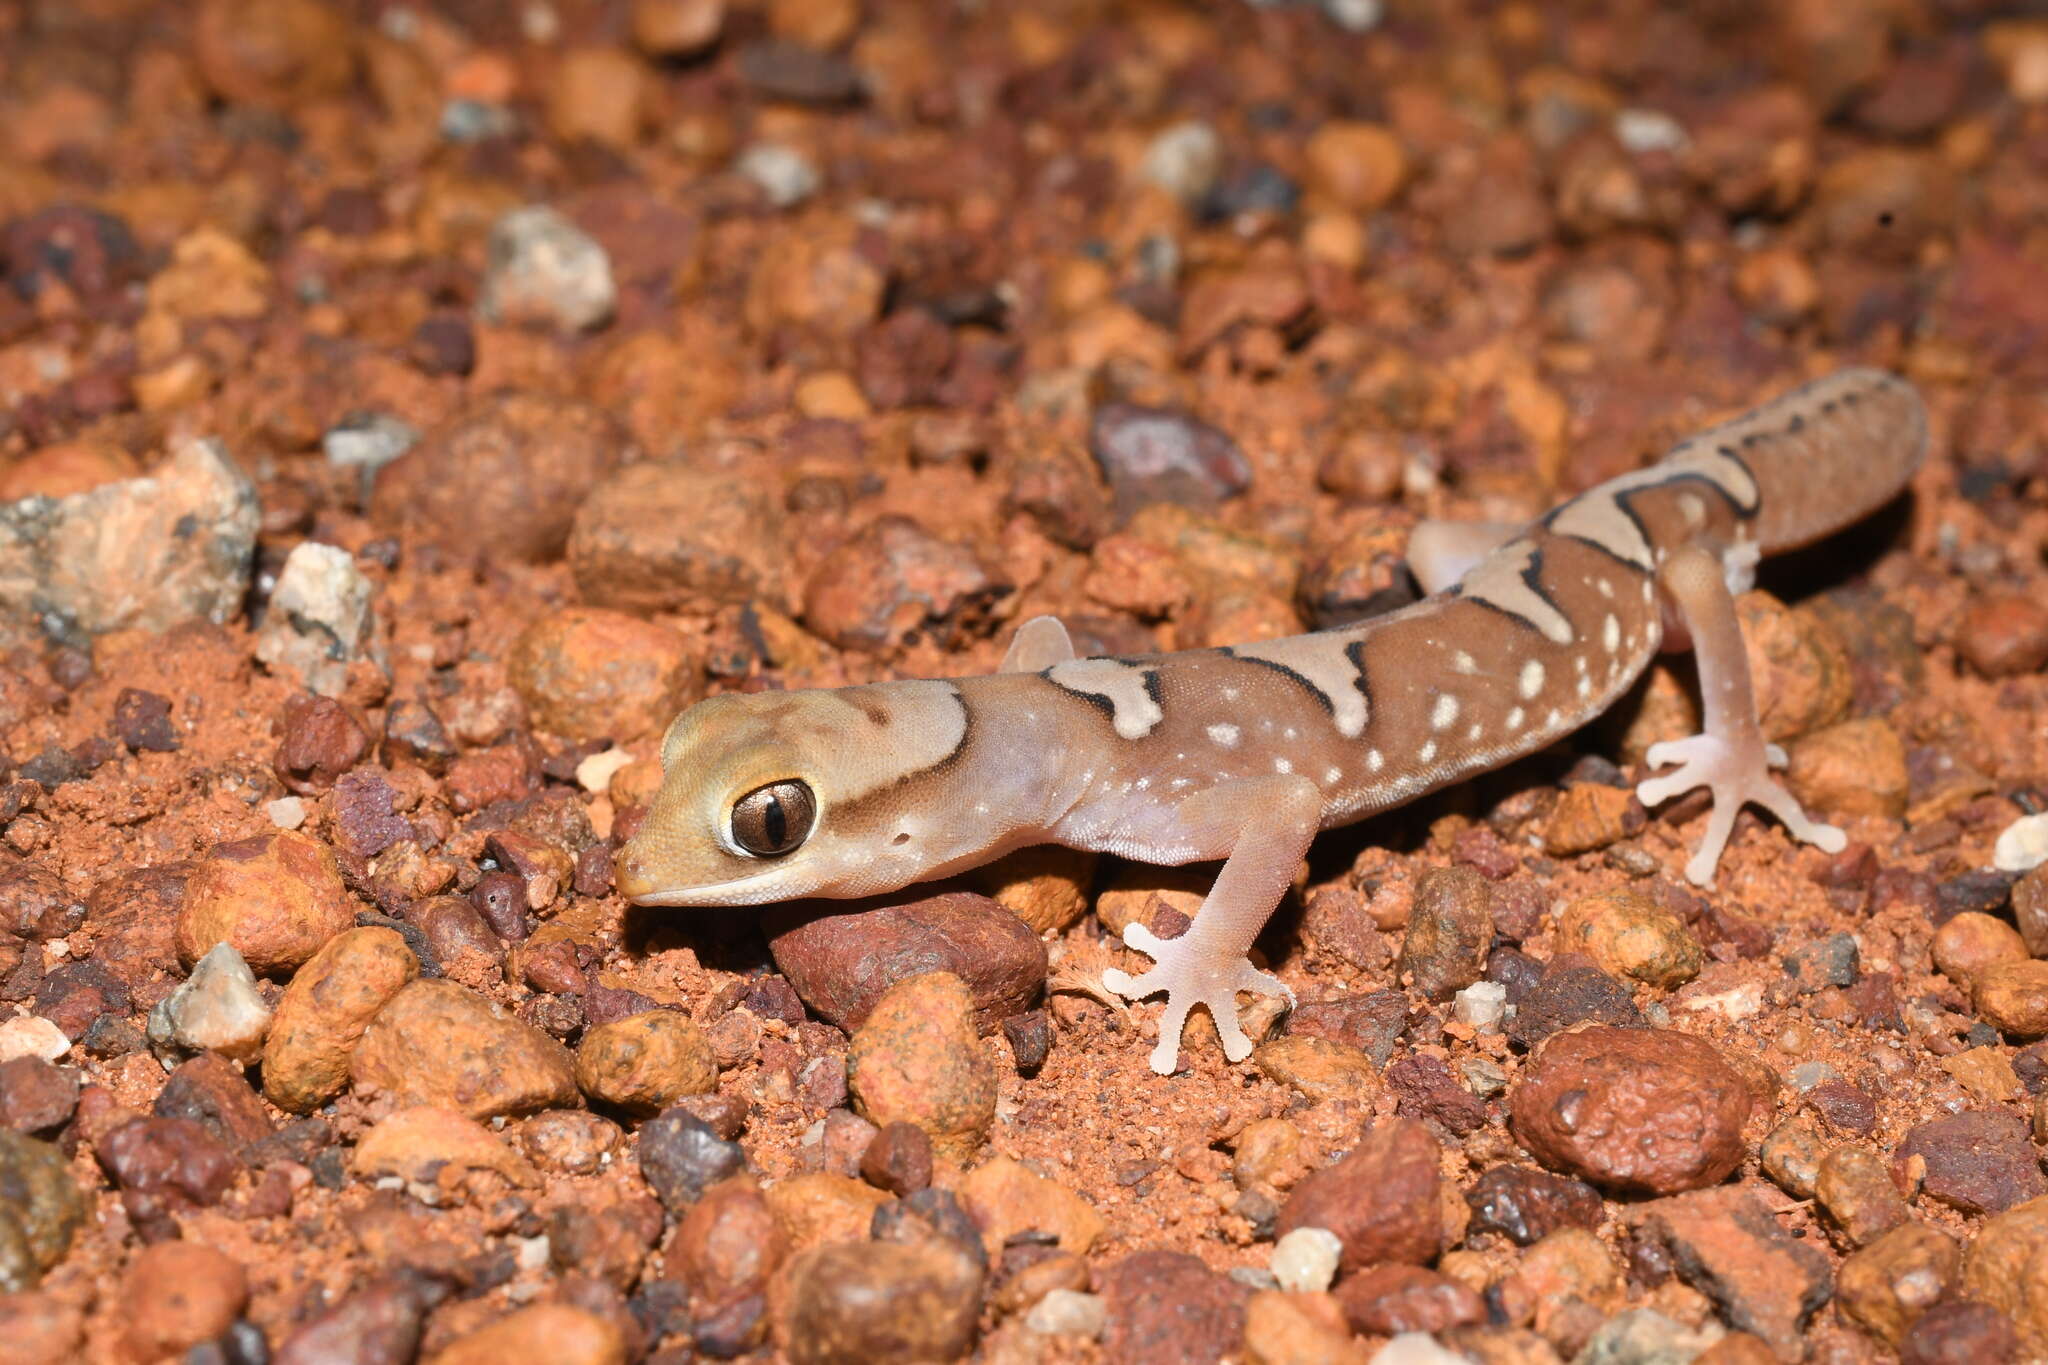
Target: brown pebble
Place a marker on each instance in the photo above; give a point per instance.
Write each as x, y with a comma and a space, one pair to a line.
176, 1295
1389, 1299
438, 1043
1979, 1162
1887, 1285
554, 1332
2004, 636
1167, 1305
918, 1059
277, 898
2013, 996
898, 1160
1855, 768
1449, 931
36, 1096
1972, 941
1633, 936
851, 1304
1725, 1243
321, 740
1382, 1200
589, 673
323, 1012
892, 579
1855, 1188
1527, 1205
645, 1062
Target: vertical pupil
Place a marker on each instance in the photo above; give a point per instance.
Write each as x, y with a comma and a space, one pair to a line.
774, 823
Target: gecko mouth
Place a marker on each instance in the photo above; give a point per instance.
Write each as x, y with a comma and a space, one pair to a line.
637, 885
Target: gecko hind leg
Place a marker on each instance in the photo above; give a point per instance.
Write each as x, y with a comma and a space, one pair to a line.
1729, 757
1265, 825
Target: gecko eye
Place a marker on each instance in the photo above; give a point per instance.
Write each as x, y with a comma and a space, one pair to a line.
773, 820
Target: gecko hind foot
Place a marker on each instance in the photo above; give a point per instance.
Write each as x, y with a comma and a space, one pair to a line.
1188, 980
1736, 775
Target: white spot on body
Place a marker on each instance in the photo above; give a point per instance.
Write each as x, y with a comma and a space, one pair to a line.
1461, 662
1474, 732
1531, 681
1281, 765
1427, 753
1225, 735
1375, 760
1332, 776
1515, 719
1445, 713
1606, 587
1610, 633
1585, 686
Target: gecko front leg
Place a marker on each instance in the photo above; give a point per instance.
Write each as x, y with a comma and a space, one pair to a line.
1265, 826
1729, 756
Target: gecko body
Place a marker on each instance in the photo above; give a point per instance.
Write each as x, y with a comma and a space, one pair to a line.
1245, 753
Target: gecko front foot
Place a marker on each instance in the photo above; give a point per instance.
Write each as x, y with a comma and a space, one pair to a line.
1189, 977
1736, 774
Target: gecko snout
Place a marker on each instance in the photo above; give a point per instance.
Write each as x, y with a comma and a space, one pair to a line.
631, 878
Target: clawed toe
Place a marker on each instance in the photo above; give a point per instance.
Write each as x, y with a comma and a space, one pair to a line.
1186, 984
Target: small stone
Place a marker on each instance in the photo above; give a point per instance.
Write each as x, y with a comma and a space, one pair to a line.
1855, 1188
1590, 816
1163, 455
917, 1059
590, 673
646, 1062
1167, 1305
676, 28
785, 175
1371, 1022
41, 1329
213, 1092
41, 1208
898, 1159
217, 1008
2023, 846
1306, 1259
1030, 1037
1526, 1205
1985, 1073
570, 1141
430, 1148
273, 55
36, 1097
324, 1011
555, 1332
32, 1035
1728, 1246
276, 898
541, 268
143, 721
841, 964
1068, 1313
377, 1324
1643, 1336
437, 1043
322, 739
1185, 160
892, 580
1281, 1327
509, 467
1855, 768
2004, 636
784, 70
1979, 1162
1632, 936
319, 620
728, 1243
1645, 1110
851, 1304
1388, 1300
177, 1295
681, 1157
1429, 1090
1959, 1332
1449, 931
141, 554
169, 1162
1887, 1285
1007, 1198
1356, 166
665, 537
1318, 1068
1416, 1348
1382, 1200
2013, 996
367, 441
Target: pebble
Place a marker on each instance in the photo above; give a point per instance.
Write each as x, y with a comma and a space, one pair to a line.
273, 55
1416, 1348
570, 1141
2021, 847
2013, 996
276, 898
1640, 1110
1382, 1200
1388, 1300
854, 1303
598, 95
40, 1328
1480, 1006
841, 964
2006, 1266
555, 1332
217, 1008
431, 1149
1356, 166
1633, 936
322, 739
589, 673
1306, 1258
1282, 1328
542, 268
1855, 1189
41, 1209
1979, 1162
1450, 930
1889, 1283
784, 70
367, 441
1318, 1068
141, 554
1167, 1305
786, 176
1007, 1198
1855, 768
441, 1044
1973, 941
2004, 636
505, 474
169, 1161
917, 1059
1643, 1336
728, 1244
1727, 1245
323, 1012
680, 1157
1370, 1022
143, 721
378, 1324
319, 619
1164, 455
892, 580
32, 1035
1429, 1090
645, 1062
898, 1159
663, 537
676, 28
213, 1092
1068, 1313
1959, 1332
175, 1295
1185, 160
1590, 816
36, 1097
1526, 1205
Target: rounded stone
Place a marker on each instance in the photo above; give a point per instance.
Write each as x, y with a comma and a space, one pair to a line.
853, 1303
1973, 941
1383, 1201
659, 536
593, 674
645, 1062
1638, 1110
1630, 935
1855, 768
555, 1332
176, 1295
918, 1059
441, 1044
1359, 166
2013, 997
40, 1209
1887, 1285
323, 1012
278, 898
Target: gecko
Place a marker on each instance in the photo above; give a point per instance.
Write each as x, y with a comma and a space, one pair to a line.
1246, 753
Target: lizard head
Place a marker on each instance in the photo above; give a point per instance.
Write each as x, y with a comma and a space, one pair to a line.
776, 795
